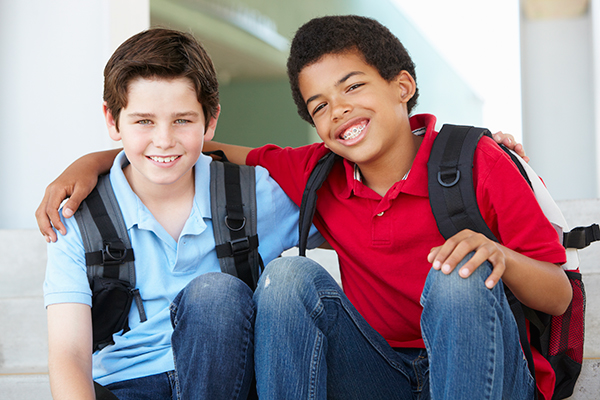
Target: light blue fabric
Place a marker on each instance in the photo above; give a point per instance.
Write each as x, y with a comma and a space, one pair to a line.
163, 266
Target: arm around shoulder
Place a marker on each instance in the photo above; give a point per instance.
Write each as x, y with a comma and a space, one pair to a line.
234, 153
75, 183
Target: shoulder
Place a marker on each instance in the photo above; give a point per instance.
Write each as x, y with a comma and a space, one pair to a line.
490, 157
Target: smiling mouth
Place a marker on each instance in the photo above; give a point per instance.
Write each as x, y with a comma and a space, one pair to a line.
353, 131
163, 159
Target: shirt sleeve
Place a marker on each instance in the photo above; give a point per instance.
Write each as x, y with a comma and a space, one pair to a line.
510, 208
66, 278
277, 218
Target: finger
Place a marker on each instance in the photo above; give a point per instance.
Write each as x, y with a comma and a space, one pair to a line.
453, 252
479, 257
54, 216
505, 138
51, 204
431, 258
74, 201
496, 275
44, 224
496, 259
520, 150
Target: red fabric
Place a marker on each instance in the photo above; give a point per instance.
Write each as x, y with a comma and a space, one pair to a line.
382, 243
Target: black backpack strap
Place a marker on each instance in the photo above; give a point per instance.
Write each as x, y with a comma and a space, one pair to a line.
108, 253
309, 198
233, 207
519, 311
450, 180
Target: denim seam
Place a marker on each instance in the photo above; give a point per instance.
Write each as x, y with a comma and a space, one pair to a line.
174, 384
335, 295
417, 370
245, 346
317, 354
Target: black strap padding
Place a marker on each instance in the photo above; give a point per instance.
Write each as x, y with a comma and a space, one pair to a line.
114, 252
240, 244
309, 198
450, 180
581, 237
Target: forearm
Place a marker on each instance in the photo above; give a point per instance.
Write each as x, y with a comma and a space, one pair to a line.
234, 153
70, 351
96, 163
68, 379
539, 285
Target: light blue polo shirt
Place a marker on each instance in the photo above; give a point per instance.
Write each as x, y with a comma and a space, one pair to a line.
163, 266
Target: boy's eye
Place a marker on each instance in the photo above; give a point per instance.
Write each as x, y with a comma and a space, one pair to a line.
318, 108
355, 86
144, 122
181, 121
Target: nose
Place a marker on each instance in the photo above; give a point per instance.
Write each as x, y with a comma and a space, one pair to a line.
339, 108
163, 137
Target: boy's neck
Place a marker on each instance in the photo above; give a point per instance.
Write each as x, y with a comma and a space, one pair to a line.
170, 205
381, 174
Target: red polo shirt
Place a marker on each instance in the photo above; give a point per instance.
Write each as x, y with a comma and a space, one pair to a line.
383, 242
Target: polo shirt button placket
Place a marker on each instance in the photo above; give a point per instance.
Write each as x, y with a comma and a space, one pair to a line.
381, 230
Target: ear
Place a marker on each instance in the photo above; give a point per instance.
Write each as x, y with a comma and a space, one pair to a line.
406, 85
211, 126
113, 129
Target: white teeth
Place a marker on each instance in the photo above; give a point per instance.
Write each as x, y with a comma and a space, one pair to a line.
163, 159
353, 132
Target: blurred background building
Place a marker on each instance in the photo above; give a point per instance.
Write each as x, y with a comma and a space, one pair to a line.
543, 88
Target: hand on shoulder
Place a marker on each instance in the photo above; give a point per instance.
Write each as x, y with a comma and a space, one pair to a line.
509, 141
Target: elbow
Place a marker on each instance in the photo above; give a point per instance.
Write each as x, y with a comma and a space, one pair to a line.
562, 301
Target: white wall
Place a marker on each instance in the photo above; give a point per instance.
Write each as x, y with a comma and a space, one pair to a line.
595, 15
559, 127
52, 54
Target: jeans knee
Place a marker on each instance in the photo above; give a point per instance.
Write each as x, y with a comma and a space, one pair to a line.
453, 291
212, 297
288, 278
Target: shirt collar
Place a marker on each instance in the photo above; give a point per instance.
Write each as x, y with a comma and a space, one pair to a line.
136, 213
416, 178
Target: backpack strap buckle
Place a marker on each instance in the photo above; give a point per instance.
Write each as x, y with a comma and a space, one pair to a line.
448, 177
113, 253
581, 237
235, 224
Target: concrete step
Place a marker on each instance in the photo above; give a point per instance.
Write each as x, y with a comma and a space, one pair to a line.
23, 335
25, 387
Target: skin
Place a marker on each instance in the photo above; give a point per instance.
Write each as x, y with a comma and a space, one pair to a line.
163, 130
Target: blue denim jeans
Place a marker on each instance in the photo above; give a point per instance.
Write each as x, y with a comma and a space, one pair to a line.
311, 343
213, 345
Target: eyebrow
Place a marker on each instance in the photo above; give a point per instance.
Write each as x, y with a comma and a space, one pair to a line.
342, 80
175, 115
